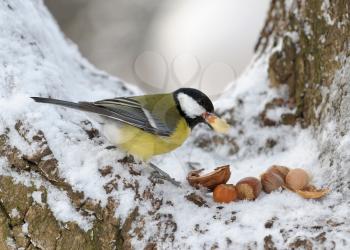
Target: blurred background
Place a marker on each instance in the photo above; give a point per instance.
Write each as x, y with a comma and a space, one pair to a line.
162, 45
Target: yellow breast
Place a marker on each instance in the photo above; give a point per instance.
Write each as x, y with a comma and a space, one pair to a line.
145, 145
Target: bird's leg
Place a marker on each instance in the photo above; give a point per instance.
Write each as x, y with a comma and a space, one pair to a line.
193, 165
163, 175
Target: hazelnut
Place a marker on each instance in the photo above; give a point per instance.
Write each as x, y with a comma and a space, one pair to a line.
280, 170
271, 181
297, 179
225, 193
248, 188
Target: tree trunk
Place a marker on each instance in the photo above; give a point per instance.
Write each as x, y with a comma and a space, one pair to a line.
313, 40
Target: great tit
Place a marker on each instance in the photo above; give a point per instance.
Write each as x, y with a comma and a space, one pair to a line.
150, 125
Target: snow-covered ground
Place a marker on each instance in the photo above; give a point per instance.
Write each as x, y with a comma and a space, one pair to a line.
36, 60
294, 218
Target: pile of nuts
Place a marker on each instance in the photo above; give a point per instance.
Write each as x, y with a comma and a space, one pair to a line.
249, 188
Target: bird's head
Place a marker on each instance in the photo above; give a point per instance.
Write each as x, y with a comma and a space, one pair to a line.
196, 107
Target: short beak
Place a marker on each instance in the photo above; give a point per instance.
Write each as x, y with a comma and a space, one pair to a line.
218, 124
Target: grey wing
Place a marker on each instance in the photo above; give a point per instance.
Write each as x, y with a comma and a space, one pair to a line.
129, 111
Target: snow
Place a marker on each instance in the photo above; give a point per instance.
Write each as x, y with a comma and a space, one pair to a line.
288, 5
37, 197
275, 114
325, 8
14, 213
25, 228
10, 243
62, 209
308, 30
36, 60
293, 35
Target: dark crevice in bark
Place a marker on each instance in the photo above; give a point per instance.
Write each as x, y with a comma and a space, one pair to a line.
3, 209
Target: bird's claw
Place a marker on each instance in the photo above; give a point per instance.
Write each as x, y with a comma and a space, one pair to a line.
160, 174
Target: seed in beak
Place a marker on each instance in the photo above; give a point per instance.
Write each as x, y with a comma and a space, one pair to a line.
218, 124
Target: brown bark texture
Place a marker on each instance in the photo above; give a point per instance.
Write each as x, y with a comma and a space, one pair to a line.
313, 37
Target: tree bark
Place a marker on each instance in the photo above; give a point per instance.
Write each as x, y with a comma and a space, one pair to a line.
312, 37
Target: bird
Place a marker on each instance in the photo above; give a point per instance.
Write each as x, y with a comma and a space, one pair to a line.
149, 125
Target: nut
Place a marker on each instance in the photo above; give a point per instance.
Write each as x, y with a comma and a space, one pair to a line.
218, 124
297, 179
280, 170
271, 181
210, 180
248, 188
311, 192
225, 193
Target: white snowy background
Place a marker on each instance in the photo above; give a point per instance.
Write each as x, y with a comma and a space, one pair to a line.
37, 60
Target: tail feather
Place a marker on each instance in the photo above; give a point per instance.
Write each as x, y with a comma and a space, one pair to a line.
83, 106
57, 102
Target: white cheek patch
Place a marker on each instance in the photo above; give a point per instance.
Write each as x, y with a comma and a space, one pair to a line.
189, 106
